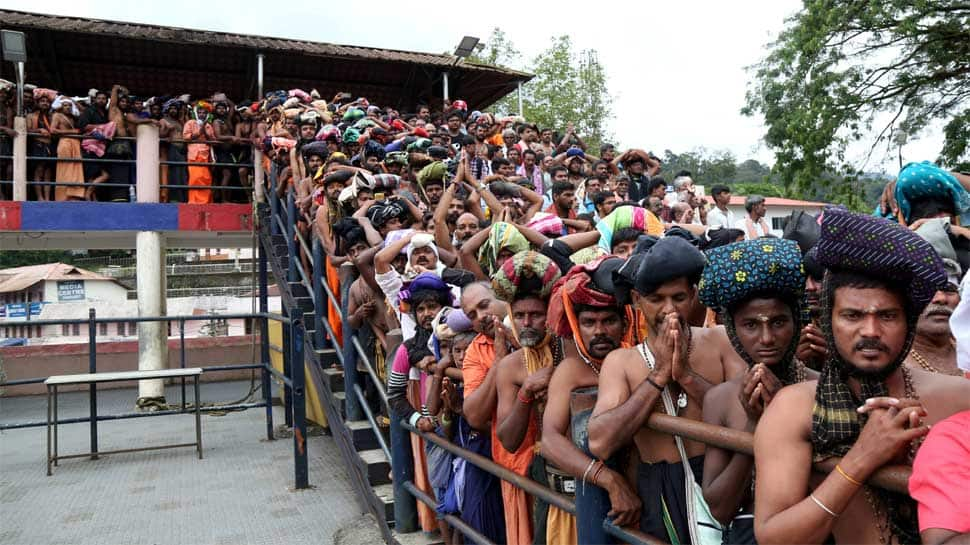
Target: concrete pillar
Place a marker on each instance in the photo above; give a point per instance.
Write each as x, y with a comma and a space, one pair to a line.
20, 159
151, 286
146, 168
150, 269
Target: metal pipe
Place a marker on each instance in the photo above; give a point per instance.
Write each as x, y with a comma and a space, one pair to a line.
444, 85
123, 416
349, 358
209, 369
20, 158
283, 378
524, 483
259, 74
370, 371
264, 341
294, 257
298, 366
93, 387
373, 423
20, 88
630, 535
182, 357
519, 92
893, 478
454, 521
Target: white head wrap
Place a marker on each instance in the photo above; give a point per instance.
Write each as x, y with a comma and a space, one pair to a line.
960, 326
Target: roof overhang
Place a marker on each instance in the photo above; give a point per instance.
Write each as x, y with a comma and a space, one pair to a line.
73, 54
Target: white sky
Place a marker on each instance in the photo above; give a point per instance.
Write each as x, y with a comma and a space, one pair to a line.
676, 68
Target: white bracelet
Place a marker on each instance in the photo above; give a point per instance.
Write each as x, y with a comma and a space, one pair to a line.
822, 506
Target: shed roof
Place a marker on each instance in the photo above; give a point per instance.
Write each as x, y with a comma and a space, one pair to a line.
18, 278
73, 54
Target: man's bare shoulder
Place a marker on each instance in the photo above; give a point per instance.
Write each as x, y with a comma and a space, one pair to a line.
618, 361
511, 361
951, 394
792, 405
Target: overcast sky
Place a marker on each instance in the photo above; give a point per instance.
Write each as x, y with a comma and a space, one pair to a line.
676, 69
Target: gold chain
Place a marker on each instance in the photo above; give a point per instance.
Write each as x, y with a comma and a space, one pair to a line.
919, 359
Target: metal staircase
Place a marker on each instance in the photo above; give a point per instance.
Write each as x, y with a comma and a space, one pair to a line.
304, 297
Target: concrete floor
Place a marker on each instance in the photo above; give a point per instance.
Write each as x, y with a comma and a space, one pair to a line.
240, 493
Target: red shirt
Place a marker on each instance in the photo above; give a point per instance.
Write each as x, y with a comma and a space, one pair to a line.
940, 482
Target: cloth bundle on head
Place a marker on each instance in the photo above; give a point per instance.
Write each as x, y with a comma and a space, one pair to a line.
50, 94
918, 180
353, 114
382, 211
374, 149
386, 182
337, 177
546, 223
422, 240
349, 231
59, 103
627, 216
588, 255
722, 236
669, 258
318, 148
425, 281
271, 143
172, 102
525, 273
351, 136
879, 249
745, 270
436, 171
502, 236
98, 135
396, 157
936, 231
421, 144
588, 285
882, 249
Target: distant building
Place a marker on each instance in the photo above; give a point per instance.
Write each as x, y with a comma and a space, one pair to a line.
778, 210
24, 291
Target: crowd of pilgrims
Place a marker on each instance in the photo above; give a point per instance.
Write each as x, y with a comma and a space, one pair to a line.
550, 301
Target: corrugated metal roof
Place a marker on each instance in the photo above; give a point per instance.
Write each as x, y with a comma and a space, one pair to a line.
75, 53
18, 278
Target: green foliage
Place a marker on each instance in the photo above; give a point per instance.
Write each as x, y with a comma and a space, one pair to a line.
22, 258
844, 71
568, 87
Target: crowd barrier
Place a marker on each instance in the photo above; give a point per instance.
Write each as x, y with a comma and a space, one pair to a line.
22, 175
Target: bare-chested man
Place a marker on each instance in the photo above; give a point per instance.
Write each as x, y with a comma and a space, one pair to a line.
933, 348
686, 361
226, 135
173, 149
39, 126
587, 316
524, 282
866, 407
761, 316
125, 120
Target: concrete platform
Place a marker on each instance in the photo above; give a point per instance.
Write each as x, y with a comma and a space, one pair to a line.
241, 493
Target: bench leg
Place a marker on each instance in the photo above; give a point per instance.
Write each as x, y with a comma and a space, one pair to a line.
55, 426
198, 419
49, 473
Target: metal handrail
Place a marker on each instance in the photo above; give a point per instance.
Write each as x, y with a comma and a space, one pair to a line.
372, 421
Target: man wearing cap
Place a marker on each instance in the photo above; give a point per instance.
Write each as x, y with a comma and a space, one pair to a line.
757, 287
584, 313
866, 407
677, 362
524, 282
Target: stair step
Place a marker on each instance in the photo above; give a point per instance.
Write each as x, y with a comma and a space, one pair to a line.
334, 377
278, 240
297, 289
328, 357
385, 493
417, 538
304, 304
340, 398
363, 437
377, 467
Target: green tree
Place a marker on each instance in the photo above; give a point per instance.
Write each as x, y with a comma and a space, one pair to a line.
846, 71
568, 87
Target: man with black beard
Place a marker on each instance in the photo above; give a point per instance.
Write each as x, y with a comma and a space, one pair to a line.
866, 408
524, 282
96, 114
226, 135
584, 310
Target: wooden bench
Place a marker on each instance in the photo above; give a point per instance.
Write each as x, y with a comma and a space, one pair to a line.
94, 378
